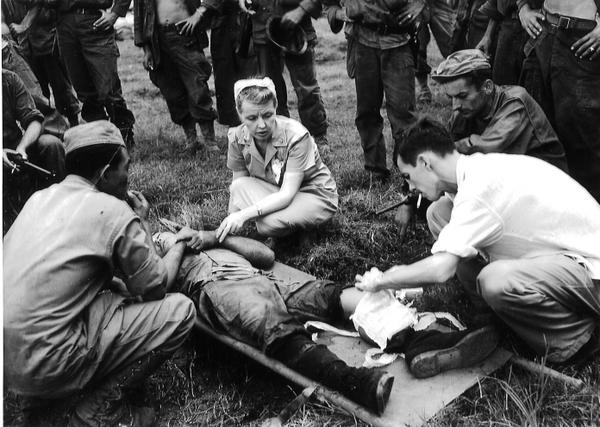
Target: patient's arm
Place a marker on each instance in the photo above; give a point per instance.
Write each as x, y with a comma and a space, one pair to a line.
254, 251
258, 254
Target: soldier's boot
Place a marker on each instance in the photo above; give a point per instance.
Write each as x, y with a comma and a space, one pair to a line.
207, 127
324, 148
425, 95
104, 405
368, 387
192, 144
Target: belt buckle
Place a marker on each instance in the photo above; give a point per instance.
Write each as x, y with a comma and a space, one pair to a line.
564, 22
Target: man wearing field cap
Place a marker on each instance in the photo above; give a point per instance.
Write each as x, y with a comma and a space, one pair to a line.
69, 323
488, 118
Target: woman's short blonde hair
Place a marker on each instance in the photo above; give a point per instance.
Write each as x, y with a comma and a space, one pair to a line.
255, 90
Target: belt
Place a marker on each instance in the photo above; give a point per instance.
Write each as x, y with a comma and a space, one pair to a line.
384, 29
168, 27
85, 11
568, 22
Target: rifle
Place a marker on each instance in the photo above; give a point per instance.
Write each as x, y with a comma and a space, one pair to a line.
405, 199
27, 166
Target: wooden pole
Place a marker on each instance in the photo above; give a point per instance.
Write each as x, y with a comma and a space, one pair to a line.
321, 391
538, 368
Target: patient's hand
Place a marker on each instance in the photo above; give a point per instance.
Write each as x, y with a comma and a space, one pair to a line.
201, 240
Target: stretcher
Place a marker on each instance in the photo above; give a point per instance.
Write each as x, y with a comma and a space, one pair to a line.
412, 401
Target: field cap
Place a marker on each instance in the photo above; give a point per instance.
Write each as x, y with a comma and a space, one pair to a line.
461, 62
100, 132
265, 82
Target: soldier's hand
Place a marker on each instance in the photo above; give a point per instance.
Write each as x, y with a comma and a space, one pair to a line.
411, 12
106, 21
186, 27
485, 45
203, 240
16, 30
402, 218
588, 46
244, 5
292, 18
148, 60
530, 20
370, 281
139, 204
6, 162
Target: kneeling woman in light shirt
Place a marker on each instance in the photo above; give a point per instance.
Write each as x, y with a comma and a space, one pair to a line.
279, 179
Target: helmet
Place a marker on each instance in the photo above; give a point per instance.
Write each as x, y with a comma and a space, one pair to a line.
289, 41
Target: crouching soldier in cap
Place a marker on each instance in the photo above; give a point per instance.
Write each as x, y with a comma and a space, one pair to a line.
64, 330
487, 118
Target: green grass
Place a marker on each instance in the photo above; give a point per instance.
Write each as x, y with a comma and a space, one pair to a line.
209, 384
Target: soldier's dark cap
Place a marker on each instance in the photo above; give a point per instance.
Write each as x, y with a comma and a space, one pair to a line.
460, 63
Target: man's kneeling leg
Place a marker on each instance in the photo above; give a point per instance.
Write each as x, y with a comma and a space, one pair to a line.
147, 335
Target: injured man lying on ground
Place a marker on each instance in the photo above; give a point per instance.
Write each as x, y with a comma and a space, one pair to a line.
233, 293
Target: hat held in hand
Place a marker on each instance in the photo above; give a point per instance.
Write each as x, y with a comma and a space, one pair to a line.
292, 41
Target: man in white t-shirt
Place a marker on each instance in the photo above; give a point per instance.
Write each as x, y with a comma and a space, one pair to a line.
537, 229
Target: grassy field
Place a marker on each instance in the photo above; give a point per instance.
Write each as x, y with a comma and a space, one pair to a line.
208, 384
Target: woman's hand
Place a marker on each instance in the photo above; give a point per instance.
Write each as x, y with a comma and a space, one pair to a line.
232, 224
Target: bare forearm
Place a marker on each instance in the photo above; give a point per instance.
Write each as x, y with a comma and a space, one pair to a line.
437, 268
31, 134
172, 261
257, 253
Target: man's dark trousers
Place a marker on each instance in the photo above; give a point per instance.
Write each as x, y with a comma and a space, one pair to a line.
228, 66
182, 75
304, 79
568, 89
378, 72
91, 59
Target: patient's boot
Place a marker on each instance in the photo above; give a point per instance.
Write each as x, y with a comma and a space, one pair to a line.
368, 387
430, 352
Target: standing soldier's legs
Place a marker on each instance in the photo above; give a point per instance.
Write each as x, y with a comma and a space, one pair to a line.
576, 93
304, 79
228, 67
70, 30
270, 64
369, 97
398, 78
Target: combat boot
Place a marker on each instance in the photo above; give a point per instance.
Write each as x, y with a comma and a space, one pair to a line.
368, 387
192, 145
207, 127
324, 148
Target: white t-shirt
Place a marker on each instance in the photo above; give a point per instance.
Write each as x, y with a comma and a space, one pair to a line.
514, 206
